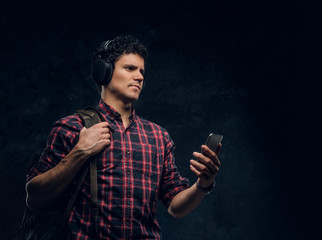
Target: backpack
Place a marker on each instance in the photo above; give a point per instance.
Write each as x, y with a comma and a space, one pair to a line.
51, 224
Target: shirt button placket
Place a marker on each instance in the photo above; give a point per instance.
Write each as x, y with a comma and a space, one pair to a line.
128, 190
127, 153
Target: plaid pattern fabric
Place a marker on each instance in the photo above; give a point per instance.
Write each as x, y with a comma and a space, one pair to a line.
136, 170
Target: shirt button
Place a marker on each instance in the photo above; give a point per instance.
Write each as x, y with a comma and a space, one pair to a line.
128, 172
112, 118
127, 152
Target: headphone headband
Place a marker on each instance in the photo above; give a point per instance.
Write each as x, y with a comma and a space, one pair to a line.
105, 44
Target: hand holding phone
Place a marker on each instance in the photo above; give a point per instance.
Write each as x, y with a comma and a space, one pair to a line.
206, 176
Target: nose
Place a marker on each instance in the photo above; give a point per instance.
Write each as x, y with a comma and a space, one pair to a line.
139, 76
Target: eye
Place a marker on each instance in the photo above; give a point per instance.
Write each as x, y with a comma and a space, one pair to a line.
130, 68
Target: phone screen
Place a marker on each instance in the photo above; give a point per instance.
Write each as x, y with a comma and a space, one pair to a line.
213, 141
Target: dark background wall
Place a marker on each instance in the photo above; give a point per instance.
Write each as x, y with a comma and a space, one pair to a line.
243, 69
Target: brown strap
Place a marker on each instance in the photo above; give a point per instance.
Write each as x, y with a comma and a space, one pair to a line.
91, 116
93, 176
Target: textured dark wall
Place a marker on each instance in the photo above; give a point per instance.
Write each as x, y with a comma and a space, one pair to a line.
234, 68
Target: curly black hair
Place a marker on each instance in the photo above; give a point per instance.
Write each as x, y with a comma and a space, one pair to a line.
120, 45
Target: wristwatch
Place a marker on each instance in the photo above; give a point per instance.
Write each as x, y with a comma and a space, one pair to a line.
207, 190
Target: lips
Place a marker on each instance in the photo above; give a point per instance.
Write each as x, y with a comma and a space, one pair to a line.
137, 86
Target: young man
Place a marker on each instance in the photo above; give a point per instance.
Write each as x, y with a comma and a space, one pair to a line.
136, 165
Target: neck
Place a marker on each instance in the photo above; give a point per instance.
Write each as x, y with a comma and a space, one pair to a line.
125, 109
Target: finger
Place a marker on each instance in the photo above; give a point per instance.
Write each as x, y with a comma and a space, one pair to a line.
107, 136
207, 151
212, 169
198, 173
101, 125
105, 142
218, 148
104, 130
201, 168
206, 161
195, 171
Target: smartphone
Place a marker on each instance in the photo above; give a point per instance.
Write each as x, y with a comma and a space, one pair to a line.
213, 141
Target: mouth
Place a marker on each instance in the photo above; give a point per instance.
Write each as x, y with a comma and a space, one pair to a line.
135, 86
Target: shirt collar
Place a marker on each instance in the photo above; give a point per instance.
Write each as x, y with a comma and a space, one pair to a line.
111, 113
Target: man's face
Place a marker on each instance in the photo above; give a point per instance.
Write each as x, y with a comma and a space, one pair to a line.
127, 80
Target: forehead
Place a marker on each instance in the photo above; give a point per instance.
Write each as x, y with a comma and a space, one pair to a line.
132, 59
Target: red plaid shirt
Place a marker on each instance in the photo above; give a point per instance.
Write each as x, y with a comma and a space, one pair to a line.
136, 170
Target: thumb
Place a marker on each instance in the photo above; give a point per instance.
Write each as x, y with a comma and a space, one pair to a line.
83, 130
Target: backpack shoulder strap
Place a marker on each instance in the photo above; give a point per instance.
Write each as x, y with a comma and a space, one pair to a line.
90, 116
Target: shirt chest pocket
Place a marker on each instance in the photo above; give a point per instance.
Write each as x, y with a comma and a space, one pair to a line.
147, 167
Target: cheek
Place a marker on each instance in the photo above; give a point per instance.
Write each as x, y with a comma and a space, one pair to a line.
117, 80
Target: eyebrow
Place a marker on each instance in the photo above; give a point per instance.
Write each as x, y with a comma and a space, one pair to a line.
136, 67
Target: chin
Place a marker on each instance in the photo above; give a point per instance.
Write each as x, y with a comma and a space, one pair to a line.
131, 99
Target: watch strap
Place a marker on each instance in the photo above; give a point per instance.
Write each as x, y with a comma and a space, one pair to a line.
207, 190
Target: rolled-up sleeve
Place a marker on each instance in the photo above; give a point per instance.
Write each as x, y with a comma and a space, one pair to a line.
62, 138
171, 182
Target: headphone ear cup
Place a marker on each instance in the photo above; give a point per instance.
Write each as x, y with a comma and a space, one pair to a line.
102, 71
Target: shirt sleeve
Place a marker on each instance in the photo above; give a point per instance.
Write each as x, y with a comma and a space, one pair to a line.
62, 138
171, 182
